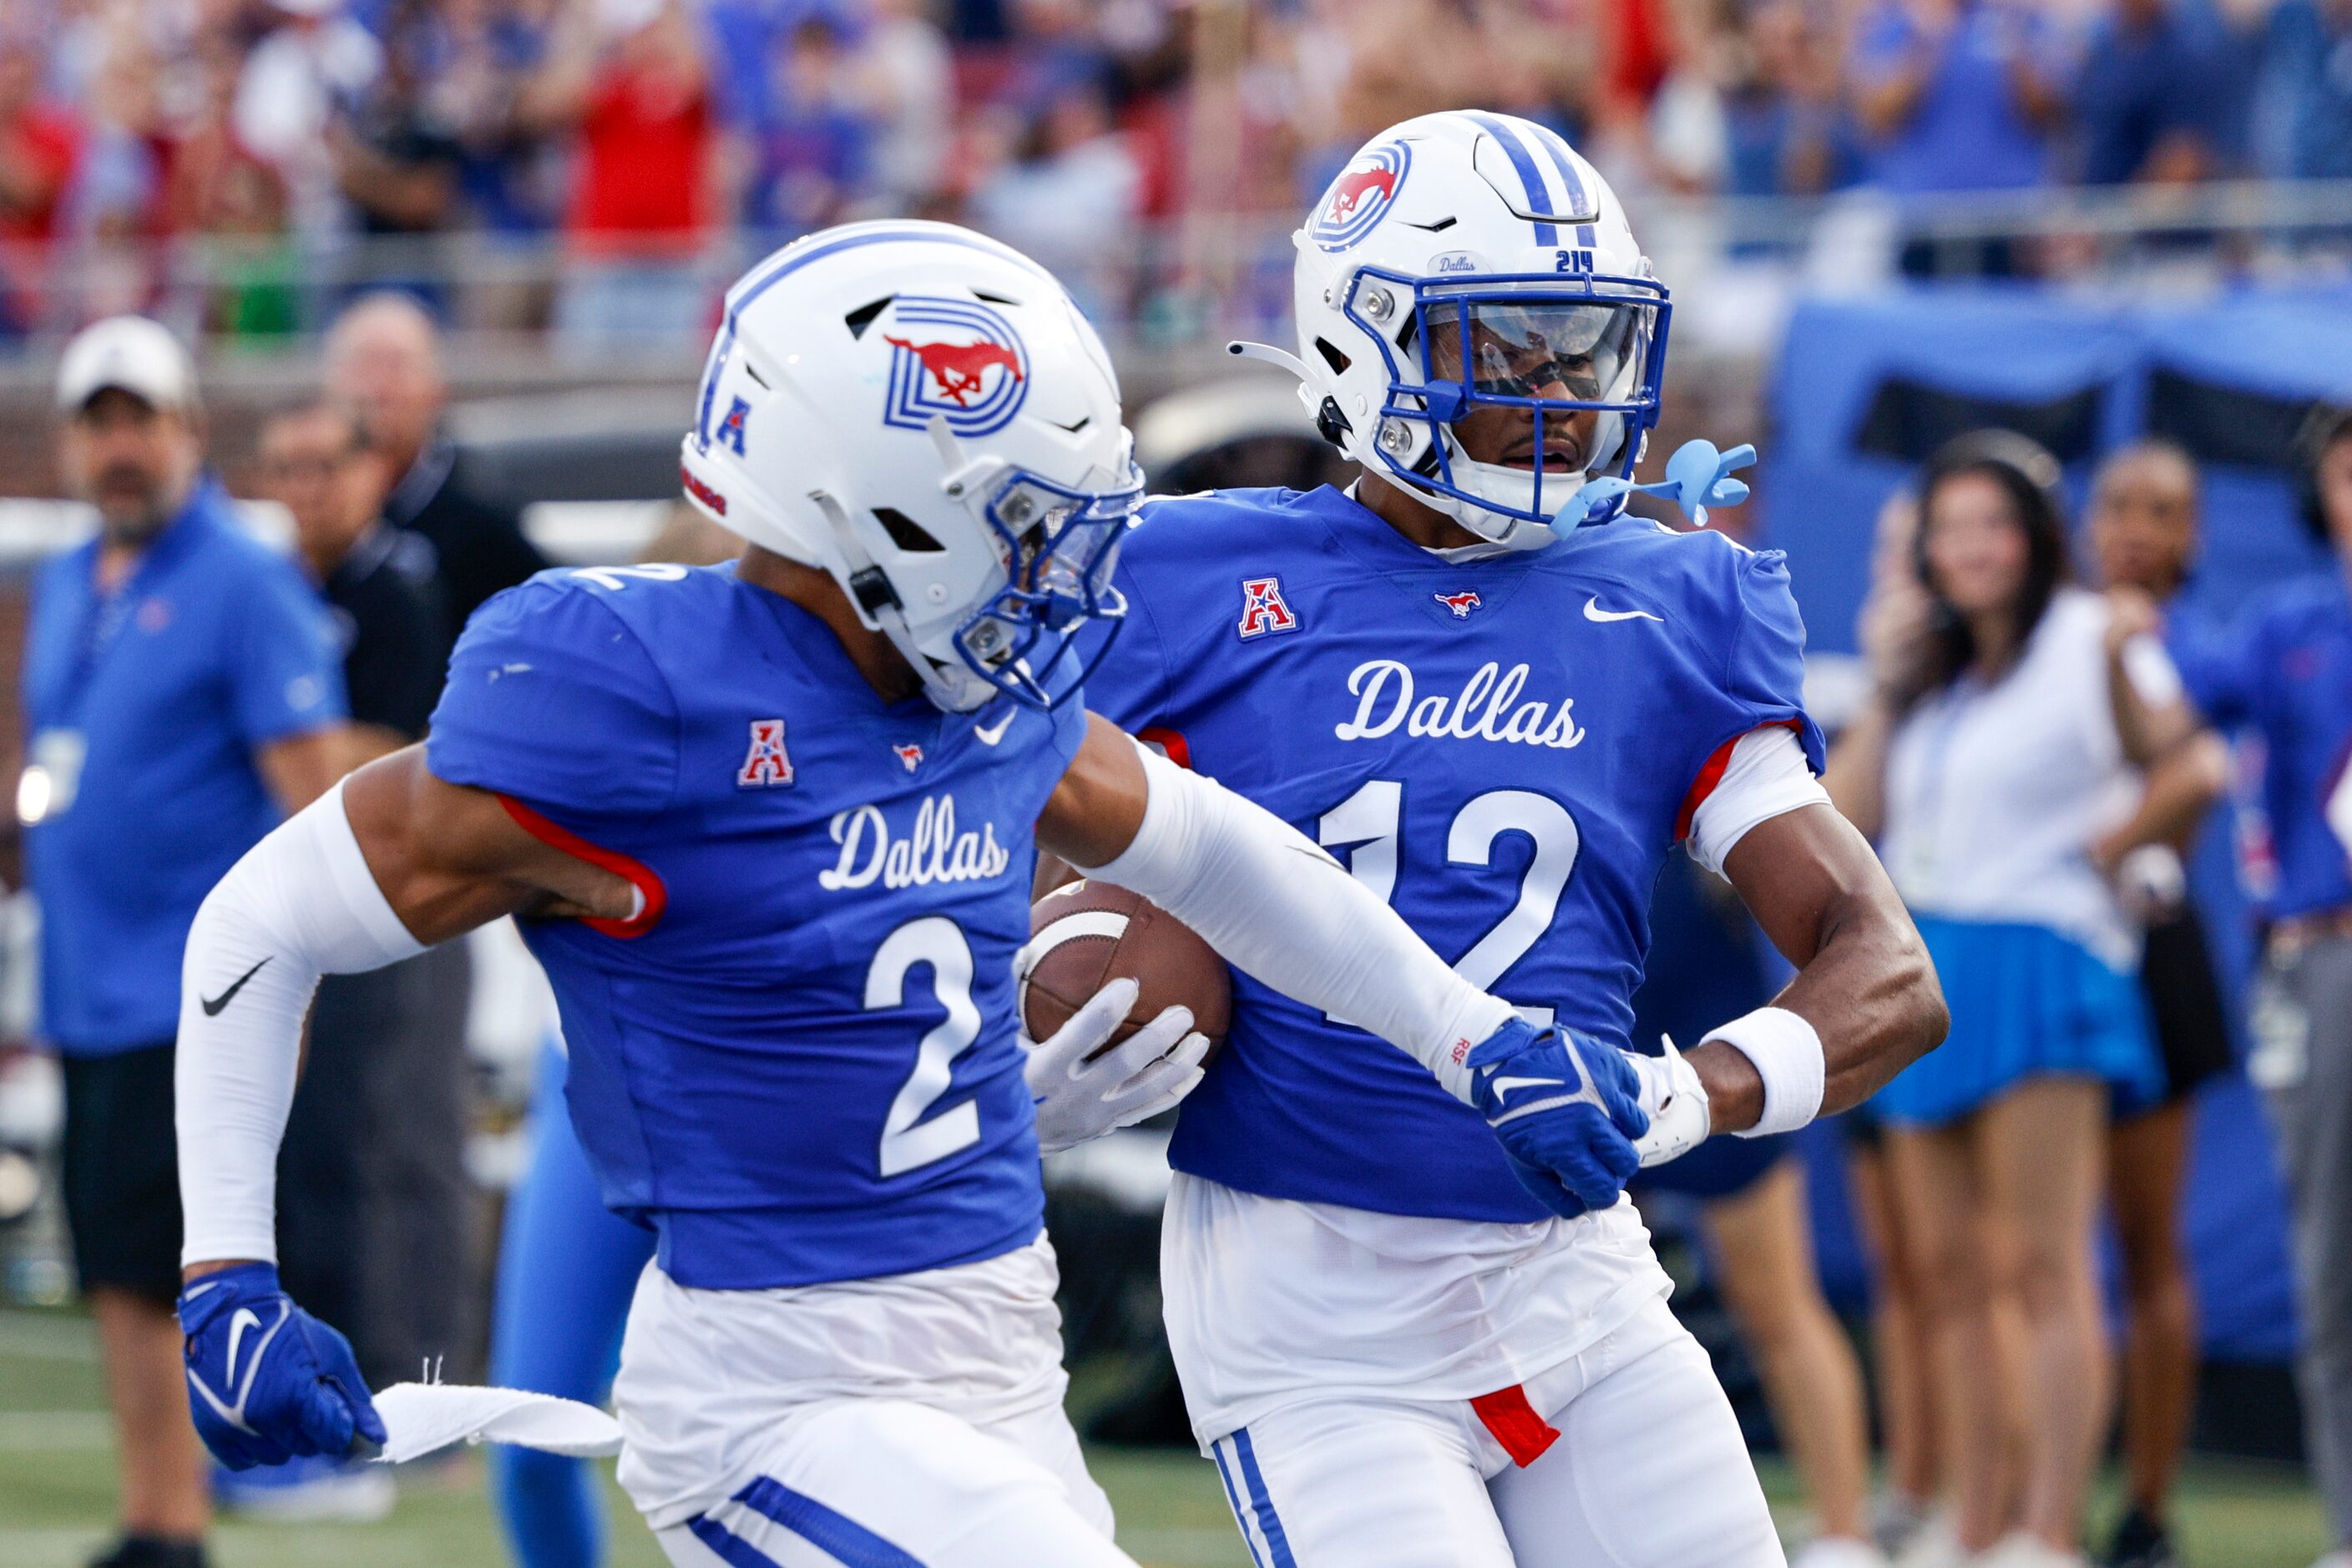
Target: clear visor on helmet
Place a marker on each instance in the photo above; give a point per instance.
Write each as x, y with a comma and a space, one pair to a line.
1545, 350
1058, 547
1555, 376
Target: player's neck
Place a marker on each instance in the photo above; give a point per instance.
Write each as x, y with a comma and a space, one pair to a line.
1420, 522
814, 590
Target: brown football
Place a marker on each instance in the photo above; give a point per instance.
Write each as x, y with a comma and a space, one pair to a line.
1086, 933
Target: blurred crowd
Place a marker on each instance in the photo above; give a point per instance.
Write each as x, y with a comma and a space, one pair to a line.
590, 155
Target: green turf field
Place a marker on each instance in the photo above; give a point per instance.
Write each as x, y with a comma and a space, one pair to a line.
57, 1491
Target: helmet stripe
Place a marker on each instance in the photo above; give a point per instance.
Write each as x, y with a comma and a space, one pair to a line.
741, 296
1578, 198
1531, 175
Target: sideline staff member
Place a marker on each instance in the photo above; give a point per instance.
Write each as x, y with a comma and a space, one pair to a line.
2285, 673
181, 693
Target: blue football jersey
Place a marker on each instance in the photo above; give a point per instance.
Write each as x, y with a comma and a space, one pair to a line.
1503, 750
798, 1062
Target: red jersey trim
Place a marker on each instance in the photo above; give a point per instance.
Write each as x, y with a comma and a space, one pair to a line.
1169, 741
640, 876
1710, 773
1513, 1423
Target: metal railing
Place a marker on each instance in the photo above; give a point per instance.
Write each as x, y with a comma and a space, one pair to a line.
1176, 283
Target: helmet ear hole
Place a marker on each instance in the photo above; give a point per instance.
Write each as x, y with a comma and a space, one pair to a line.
905, 531
1332, 356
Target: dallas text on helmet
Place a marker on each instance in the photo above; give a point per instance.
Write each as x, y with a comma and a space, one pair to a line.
932, 852
1484, 694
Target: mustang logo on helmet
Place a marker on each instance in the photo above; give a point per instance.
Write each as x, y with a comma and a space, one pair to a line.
958, 367
1360, 197
977, 384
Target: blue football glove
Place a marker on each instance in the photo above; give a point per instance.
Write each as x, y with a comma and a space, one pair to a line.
267, 1380
1566, 1109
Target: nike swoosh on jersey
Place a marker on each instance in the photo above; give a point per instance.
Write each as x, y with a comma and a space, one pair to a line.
990, 737
212, 1005
1593, 612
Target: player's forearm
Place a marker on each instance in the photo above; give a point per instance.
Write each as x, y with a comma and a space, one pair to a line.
1872, 996
1285, 912
300, 904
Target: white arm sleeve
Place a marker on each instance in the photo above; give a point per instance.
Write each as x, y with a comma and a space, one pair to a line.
300, 904
1285, 912
1767, 776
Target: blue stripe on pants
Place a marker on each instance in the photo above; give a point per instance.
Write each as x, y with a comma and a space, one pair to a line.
838, 1535
1270, 1526
1233, 1501
729, 1547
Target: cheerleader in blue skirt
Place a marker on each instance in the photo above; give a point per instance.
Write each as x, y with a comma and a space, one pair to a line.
2010, 731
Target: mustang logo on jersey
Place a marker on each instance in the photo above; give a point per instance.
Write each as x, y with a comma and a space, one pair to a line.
932, 851
767, 764
1461, 603
1486, 709
1263, 610
910, 757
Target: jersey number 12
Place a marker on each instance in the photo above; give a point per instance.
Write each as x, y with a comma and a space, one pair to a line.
1372, 818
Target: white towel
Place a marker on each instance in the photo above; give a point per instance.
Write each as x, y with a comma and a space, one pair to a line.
420, 1417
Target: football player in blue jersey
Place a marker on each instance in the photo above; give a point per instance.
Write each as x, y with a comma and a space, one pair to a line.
769, 830
1503, 701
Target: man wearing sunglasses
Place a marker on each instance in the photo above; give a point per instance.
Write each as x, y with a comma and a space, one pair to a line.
1503, 701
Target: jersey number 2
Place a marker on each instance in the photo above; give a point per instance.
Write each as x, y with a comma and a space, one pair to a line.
908, 1140
1372, 818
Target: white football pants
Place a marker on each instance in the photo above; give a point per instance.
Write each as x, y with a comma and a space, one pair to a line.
886, 1483
1648, 1471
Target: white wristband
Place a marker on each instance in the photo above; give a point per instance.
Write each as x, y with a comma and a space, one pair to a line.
1787, 1052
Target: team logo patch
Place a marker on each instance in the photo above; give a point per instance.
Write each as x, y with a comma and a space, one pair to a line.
1263, 610
910, 757
1360, 197
767, 764
1461, 603
956, 359
730, 429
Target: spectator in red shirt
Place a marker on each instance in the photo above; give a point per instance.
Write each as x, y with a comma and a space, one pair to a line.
628, 76
38, 146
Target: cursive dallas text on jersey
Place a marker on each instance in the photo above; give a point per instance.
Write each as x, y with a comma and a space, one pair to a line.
826, 943
1511, 780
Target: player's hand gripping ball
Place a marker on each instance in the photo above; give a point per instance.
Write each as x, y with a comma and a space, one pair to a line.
1566, 1109
1120, 1007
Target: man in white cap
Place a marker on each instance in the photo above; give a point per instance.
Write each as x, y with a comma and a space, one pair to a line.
181, 693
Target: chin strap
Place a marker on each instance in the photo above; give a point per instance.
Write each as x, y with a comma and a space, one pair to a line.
1698, 477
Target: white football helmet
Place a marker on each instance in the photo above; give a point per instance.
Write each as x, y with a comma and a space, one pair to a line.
925, 413
1484, 230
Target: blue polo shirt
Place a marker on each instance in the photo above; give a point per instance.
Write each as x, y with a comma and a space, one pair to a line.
144, 709
2285, 672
